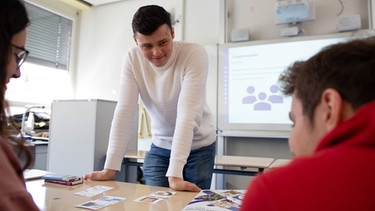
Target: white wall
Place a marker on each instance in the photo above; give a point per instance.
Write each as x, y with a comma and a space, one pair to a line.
258, 17
202, 21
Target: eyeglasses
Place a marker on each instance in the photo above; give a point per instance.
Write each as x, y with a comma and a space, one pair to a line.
21, 56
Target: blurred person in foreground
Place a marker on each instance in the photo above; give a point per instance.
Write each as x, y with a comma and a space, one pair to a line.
333, 135
13, 23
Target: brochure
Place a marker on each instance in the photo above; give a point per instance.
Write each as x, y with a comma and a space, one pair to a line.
212, 200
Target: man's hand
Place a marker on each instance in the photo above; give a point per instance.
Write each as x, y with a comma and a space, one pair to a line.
106, 174
179, 184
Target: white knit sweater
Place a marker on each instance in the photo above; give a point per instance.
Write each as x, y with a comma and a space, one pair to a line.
175, 98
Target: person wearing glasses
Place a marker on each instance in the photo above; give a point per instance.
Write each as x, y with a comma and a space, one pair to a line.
21, 55
170, 78
333, 135
13, 23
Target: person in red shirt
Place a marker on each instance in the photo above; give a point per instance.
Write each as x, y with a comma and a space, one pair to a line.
333, 135
13, 23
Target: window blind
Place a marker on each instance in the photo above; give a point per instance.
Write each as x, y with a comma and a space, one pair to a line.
48, 38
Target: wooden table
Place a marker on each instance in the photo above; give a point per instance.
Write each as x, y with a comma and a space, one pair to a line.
58, 197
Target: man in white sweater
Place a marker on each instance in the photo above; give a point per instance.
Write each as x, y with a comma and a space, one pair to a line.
170, 78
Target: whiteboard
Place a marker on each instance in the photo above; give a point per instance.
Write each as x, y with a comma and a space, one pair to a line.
249, 102
371, 15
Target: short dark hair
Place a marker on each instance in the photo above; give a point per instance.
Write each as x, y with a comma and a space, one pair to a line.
346, 67
149, 18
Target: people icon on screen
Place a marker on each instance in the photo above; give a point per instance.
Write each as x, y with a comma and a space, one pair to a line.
251, 98
274, 98
262, 103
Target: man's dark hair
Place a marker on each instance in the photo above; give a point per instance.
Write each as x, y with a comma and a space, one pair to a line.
346, 67
149, 18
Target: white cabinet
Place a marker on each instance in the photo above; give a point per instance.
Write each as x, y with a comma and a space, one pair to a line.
78, 135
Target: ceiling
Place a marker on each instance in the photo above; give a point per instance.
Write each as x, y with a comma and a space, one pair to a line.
100, 2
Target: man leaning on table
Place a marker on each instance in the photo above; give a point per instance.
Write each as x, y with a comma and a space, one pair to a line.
333, 135
170, 78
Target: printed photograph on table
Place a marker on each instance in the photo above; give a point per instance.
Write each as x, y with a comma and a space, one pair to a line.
101, 202
163, 194
211, 200
148, 199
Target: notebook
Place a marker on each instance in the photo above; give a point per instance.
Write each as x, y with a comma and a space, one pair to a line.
30, 174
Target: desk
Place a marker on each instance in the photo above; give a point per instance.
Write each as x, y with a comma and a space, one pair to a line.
59, 197
131, 161
135, 158
279, 162
243, 162
140, 154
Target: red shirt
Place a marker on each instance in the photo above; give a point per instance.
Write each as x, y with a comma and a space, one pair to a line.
340, 175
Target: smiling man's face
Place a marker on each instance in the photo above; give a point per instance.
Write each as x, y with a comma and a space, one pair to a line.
158, 46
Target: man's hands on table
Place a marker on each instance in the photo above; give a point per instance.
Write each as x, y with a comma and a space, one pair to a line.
179, 184
106, 174
175, 183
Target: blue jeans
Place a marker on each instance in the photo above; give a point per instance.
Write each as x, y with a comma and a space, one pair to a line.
198, 169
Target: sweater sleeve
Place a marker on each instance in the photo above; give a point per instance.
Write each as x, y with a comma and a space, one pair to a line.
124, 117
190, 107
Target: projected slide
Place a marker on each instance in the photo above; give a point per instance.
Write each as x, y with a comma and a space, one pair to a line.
249, 96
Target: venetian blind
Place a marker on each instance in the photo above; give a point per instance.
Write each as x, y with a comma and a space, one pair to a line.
48, 38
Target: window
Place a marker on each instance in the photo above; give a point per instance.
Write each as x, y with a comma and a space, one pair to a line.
48, 38
46, 75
